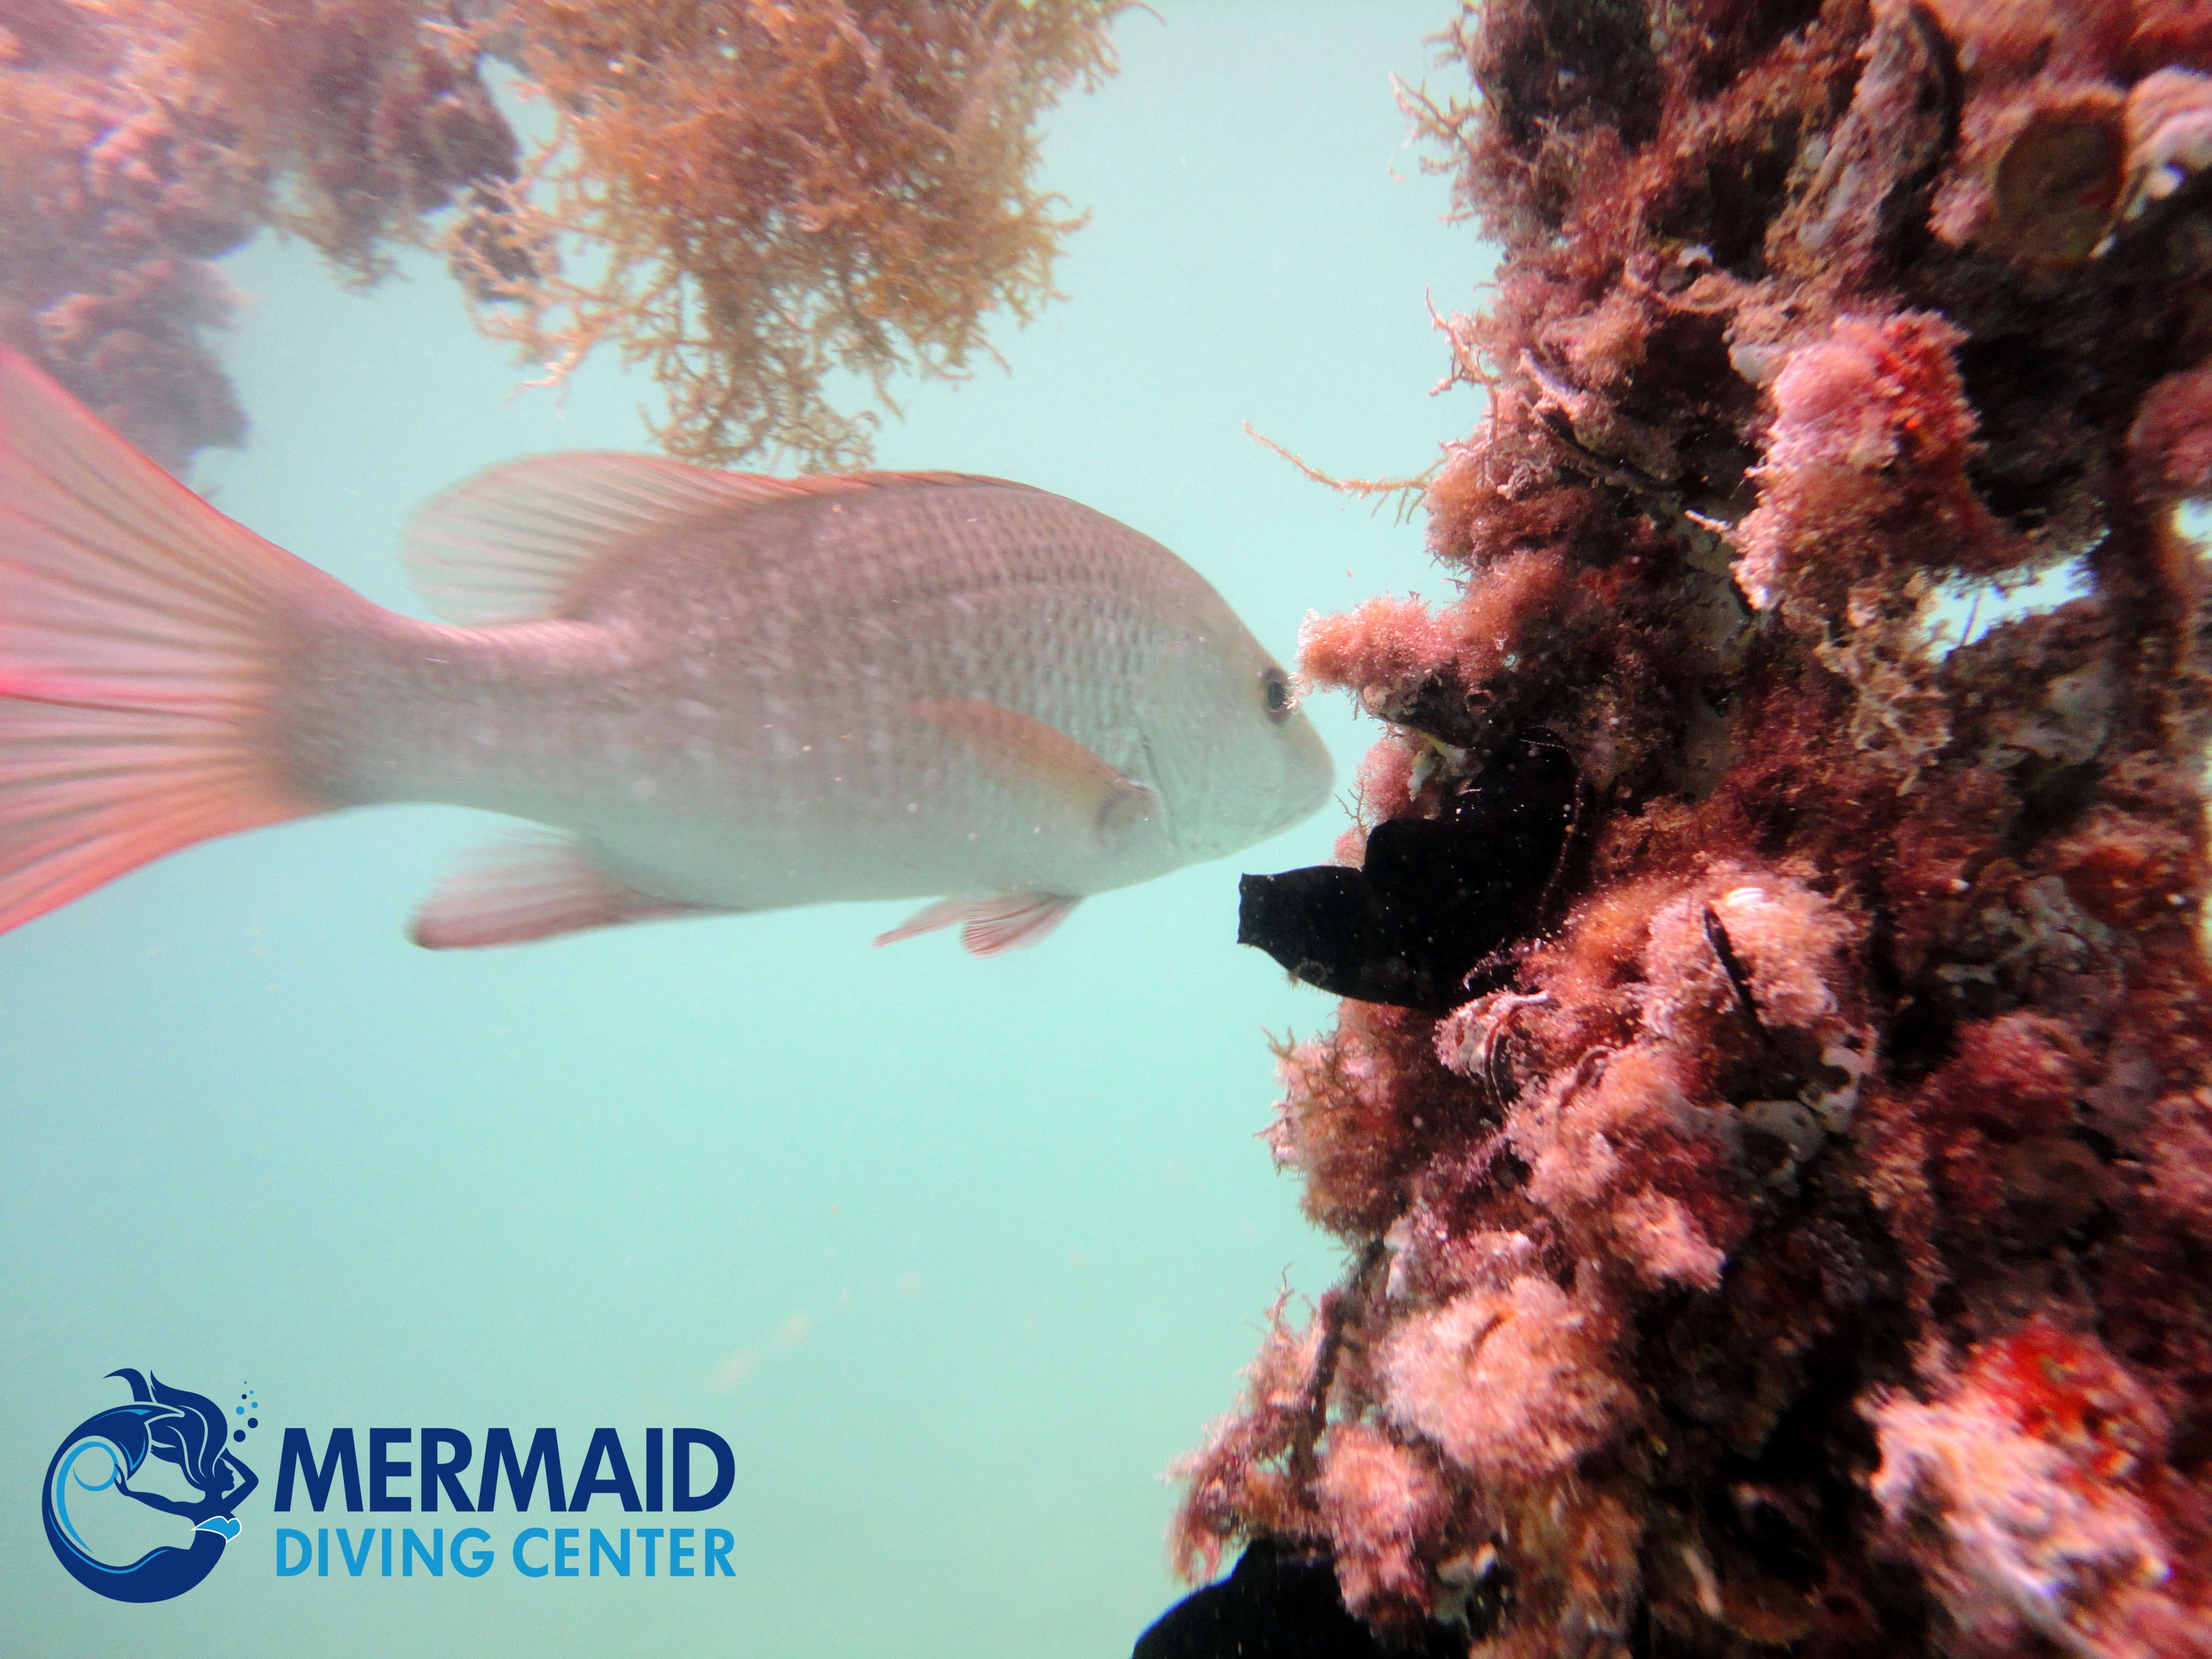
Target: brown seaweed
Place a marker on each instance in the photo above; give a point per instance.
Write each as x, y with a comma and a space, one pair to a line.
768, 197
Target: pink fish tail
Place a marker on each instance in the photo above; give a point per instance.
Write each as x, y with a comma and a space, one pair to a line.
141, 632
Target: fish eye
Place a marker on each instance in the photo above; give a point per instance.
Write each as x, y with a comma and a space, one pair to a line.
1275, 694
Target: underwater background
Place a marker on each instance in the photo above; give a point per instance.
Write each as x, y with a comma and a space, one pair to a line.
957, 1254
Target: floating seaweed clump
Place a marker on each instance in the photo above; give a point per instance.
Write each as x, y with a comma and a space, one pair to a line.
768, 195
1797, 1236
752, 198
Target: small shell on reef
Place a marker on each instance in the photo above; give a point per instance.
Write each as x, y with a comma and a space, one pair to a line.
1462, 1582
1791, 1123
1825, 1108
1467, 1039
1849, 1058
2056, 183
1757, 361
2169, 131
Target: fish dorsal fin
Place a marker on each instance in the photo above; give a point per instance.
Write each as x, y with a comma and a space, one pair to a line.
511, 544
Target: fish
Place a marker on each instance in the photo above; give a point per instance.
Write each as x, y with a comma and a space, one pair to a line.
702, 692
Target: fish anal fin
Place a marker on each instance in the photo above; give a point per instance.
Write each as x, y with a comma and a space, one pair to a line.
512, 543
529, 887
1026, 754
927, 920
1008, 921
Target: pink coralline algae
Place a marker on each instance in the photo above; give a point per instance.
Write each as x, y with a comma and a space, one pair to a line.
1796, 1236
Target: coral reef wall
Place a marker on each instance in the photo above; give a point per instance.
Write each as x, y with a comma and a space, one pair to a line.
1800, 1238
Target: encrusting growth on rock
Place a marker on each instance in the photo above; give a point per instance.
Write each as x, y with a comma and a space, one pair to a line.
1796, 1237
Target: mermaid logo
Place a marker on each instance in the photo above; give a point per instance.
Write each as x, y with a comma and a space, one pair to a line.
105, 1451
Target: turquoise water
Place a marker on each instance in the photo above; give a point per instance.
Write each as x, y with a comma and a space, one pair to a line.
957, 1255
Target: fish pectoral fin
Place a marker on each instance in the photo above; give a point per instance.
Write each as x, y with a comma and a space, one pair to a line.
1026, 754
531, 886
989, 926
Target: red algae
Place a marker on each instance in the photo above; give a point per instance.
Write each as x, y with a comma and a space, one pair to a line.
1799, 1240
